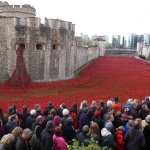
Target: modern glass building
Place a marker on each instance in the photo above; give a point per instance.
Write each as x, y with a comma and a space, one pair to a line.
130, 41
116, 41
146, 39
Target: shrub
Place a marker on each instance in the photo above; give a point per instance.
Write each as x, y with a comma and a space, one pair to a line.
92, 146
142, 57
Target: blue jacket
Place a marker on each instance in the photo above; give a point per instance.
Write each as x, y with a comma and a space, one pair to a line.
83, 120
10, 126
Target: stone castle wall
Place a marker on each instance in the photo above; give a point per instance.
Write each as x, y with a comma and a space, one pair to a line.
20, 11
51, 52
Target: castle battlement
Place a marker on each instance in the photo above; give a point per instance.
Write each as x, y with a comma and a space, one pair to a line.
59, 24
6, 8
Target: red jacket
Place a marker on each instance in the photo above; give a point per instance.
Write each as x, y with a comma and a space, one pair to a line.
119, 141
75, 120
116, 107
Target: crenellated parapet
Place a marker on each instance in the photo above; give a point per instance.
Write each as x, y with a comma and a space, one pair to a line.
5, 8
59, 24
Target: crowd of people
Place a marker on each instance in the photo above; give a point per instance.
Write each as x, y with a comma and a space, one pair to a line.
114, 126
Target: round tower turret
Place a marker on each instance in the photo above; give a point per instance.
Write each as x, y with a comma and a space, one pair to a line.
18, 11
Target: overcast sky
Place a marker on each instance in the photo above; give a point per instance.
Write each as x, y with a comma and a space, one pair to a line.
96, 17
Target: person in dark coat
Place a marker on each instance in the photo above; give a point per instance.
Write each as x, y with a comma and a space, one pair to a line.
94, 133
147, 102
102, 108
6, 142
117, 120
6, 116
1, 117
12, 124
143, 112
93, 108
62, 107
24, 115
96, 118
31, 119
16, 133
38, 124
65, 116
133, 111
109, 111
15, 111
48, 109
134, 138
68, 132
46, 137
82, 106
51, 115
23, 140
83, 136
37, 107
146, 133
84, 120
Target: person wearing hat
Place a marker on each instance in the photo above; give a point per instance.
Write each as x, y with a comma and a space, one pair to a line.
146, 133
107, 137
37, 107
96, 118
46, 136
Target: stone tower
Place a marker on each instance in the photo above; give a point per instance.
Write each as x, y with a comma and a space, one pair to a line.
49, 47
18, 11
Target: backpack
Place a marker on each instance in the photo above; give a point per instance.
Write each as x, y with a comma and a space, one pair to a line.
34, 141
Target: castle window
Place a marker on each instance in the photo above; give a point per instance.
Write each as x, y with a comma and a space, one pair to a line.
20, 45
56, 47
40, 47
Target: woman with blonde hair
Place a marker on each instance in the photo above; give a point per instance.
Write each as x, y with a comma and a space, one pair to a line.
6, 142
94, 132
16, 133
93, 108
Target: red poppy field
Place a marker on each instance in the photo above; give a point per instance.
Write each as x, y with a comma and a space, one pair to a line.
125, 77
